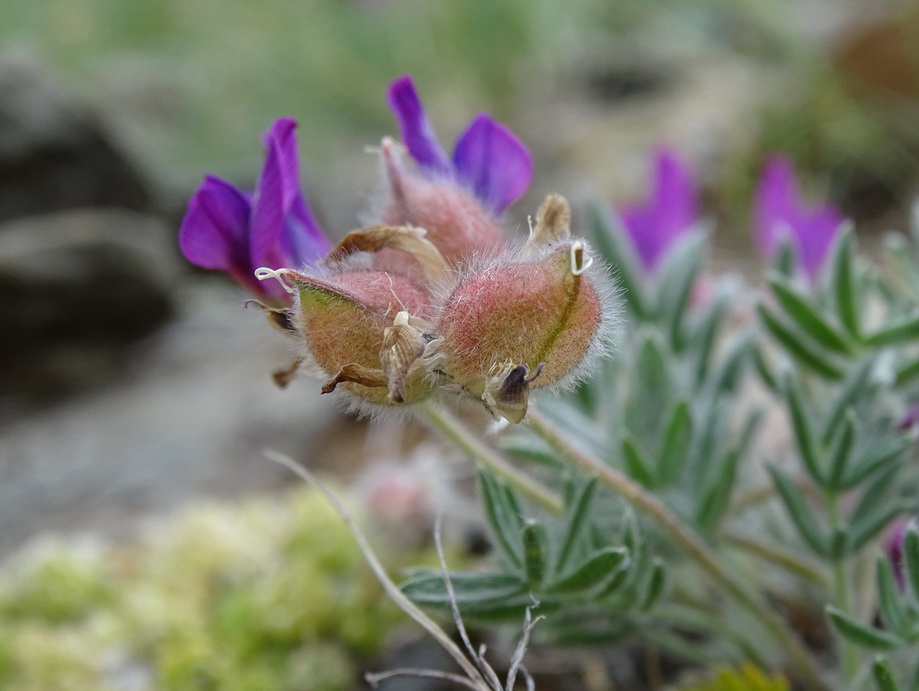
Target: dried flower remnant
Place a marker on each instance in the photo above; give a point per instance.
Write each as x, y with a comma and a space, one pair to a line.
671, 211
531, 318
780, 215
233, 231
518, 324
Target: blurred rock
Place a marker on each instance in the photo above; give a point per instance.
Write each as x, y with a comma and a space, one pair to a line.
76, 288
188, 418
54, 154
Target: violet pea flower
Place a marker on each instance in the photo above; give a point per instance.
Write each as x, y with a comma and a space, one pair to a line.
230, 230
488, 159
671, 210
779, 214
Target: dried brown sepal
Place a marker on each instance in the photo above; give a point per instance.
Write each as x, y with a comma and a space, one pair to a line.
553, 221
280, 319
511, 395
356, 374
405, 238
285, 375
403, 344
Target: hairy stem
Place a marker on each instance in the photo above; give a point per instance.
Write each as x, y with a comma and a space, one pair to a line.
469, 442
784, 558
686, 538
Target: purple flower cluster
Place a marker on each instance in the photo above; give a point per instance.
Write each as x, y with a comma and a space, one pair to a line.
672, 210
780, 215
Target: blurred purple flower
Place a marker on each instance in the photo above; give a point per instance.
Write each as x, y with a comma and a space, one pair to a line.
671, 210
894, 549
780, 213
488, 158
230, 230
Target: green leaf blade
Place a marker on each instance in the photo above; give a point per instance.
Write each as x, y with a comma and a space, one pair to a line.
860, 634
807, 317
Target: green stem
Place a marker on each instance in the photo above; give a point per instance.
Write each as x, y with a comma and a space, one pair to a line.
468, 441
690, 542
784, 558
848, 651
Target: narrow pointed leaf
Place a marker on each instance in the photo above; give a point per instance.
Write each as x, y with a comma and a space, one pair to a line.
675, 443
840, 452
764, 370
870, 527
840, 543
716, 501
844, 284
725, 377
427, 587
860, 634
887, 453
883, 675
800, 513
889, 596
803, 431
534, 553
807, 317
803, 351
599, 568
873, 496
503, 518
636, 464
907, 373
855, 387
678, 274
578, 513
655, 586
612, 245
619, 579
901, 332
704, 338
911, 558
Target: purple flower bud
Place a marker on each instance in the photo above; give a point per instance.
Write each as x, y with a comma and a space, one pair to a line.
488, 159
780, 214
227, 229
910, 419
894, 549
670, 211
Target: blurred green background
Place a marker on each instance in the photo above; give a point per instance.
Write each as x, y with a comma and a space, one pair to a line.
189, 85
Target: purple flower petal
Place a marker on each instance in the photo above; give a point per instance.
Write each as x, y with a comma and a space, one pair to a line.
266, 223
213, 234
675, 198
302, 239
816, 236
494, 162
780, 213
671, 210
775, 205
417, 132
642, 230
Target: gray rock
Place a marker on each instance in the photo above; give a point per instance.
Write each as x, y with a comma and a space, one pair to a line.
76, 288
189, 418
54, 154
